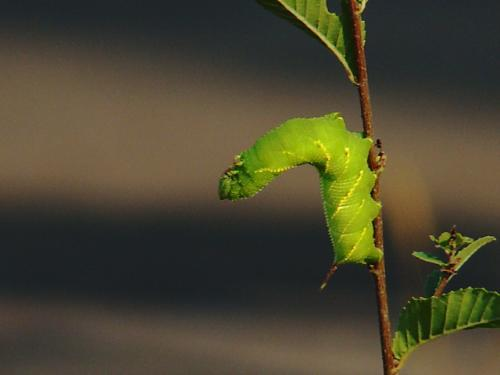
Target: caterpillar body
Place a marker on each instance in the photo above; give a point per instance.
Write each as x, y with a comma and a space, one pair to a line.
340, 156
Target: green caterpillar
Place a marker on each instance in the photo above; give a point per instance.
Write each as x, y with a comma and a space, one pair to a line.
340, 156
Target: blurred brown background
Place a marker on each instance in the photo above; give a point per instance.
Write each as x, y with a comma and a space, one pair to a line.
117, 118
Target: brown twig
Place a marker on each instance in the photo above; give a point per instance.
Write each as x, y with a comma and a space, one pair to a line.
449, 271
378, 269
445, 278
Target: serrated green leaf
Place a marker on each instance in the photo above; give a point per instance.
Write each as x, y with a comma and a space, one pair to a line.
429, 258
425, 319
467, 252
334, 31
432, 283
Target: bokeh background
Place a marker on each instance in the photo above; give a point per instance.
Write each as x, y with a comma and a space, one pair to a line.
117, 119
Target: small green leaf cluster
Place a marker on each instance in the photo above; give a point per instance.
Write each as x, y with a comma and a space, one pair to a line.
456, 250
438, 314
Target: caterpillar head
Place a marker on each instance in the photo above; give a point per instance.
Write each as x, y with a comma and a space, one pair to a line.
239, 181
230, 186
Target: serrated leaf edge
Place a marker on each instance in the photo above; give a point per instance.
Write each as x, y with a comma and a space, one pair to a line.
411, 304
324, 40
321, 37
